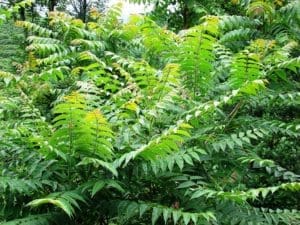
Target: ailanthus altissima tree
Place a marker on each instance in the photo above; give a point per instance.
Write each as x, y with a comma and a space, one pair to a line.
111, 123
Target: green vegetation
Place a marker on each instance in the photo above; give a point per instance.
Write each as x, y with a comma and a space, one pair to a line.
12, 47
182, 14
111, 123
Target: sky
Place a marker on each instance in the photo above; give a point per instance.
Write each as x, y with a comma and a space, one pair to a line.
130, 8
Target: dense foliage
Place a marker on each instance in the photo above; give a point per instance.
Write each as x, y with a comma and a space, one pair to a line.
12, 43
182, 14
112, 123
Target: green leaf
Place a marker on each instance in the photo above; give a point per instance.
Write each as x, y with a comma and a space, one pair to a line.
98, 162
166, 214
61, 203
186, 218
186, 184
176, 215
143, 208
98, 186
179, 162
156, 214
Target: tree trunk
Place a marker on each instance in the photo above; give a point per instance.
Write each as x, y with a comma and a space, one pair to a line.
185, 15
84, 10
32, 12
22, 14
52, 4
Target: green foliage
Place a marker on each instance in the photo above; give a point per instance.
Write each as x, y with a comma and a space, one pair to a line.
66, 201
36, 220
179, 14
197, 56
12, 45
110, 123
12, 8
168, 214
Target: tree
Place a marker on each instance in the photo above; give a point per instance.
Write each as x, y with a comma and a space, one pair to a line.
111, 123
80, 8
52, 4
182, 14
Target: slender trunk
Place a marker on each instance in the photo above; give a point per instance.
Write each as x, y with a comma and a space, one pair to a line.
185, 15
22, 14
32, 12
84, 10
52, 4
